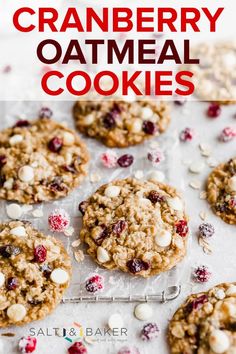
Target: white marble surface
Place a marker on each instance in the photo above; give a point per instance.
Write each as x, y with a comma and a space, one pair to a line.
222, 260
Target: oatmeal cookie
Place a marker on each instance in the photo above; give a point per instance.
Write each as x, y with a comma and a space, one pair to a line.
135, 226
221, 191
40, 161
34, 273
215, 76
205, 323
121, 123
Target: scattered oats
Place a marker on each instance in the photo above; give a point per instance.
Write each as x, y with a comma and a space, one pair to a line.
205, 245
95, 177
154, 145
196, 167
204, 147
79, 256
138, 174
195, 184
69, 231
37, 213
76, 243
203, 215
203, 195
186, 162
212, 162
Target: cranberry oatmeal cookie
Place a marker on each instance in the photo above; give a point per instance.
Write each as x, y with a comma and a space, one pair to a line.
205, 323
121, 123
221, 191
40, 161
137, 227
34, 273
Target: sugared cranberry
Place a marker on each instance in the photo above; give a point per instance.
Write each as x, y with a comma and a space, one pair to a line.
46, 269
22, 123
119, 227
3, 160
197, 303
12, 283
27, 344
149, 127
136, 265
83, 206
59, 220
109, 121
155, 197
40, 254
109, 159
77, 348
186, 135
214, 110
155, 156
125, 160
150, 331
181, 228
227, 134
45, 112
9, 250
94, 284
55, 144
206, 230
7, 69
201, 274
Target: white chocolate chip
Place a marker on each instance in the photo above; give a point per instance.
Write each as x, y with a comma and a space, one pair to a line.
8, 184
232, 183
219, 341
16, 312
143, 312
14, 211
112, 191
196, 167
136, 126
156, 176
115, 321
15, 139
163, 238
146, 112
231, 291
18, 231
26, 174
219, 294
175, 203
2, 279
68, 139
102, 255
59, 276
89, 119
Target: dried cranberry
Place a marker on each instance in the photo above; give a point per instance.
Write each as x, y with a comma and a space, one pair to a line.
214, 110
104, 234
12, 283
56, 185
55, 144
125, 160
3, 160
109, 121
22, 123
83, 206
40, 254
9, 250
94, 284
46, 269
136, 265
119, 227
155, 197
45, 112
149, 127
77, 348
149, 331
70, 168
179, 102
181, 228
197, 303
